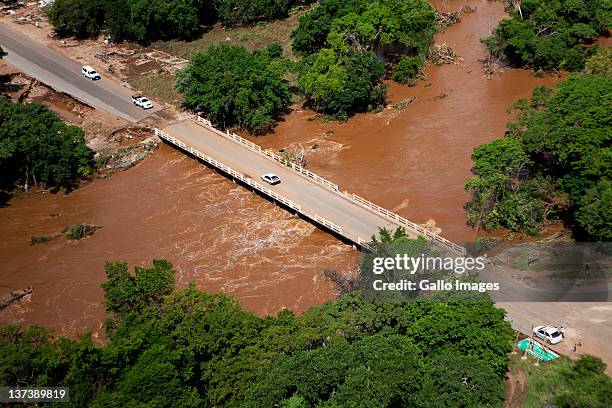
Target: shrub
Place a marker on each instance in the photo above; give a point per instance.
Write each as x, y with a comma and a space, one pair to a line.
80, 231
407, 69
275, 50
600, 63
40, 239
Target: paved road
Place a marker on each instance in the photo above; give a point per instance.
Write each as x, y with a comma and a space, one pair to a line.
354, 220
64, 75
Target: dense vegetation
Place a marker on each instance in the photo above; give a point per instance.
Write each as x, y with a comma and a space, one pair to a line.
565, 383
233, 86
382, 26
555, 161
36, 147
238, 12
343, 82
148, 20
190, 348
545, 34
345, 42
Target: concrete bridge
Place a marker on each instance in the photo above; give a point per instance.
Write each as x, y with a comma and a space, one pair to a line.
301, 191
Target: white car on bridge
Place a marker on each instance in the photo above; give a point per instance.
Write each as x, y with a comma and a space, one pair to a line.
550, 334
142, 101
89, 72
271, 178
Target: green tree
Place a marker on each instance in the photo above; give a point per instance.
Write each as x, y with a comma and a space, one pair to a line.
594, 211
560, 143
341, 83
311, 34
125, 294
549, 34
454, 380
118, 19
405, 26
600, 63
376, 371
407, 69
190, 348
235, 87
37, 147
236, 12
79, 18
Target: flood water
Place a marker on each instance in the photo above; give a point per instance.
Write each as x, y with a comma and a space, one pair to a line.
224, 238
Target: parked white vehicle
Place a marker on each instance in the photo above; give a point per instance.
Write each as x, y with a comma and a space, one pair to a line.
89, 72
550, 334
271, 178
142, 101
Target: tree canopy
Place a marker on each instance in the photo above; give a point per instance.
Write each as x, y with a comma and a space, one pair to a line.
235, 87
37, 147
190, 348
345, 42
343, 82
546, 34
148, 20
560, 146
407, 25
238, 12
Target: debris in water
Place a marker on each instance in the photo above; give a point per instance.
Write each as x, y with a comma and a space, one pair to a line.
430, 225
15, 296
41, 239
80, 231
446, 19
404, 103
443, 54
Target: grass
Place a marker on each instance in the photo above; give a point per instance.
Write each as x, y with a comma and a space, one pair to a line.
557, 383
541, 379
161, 85
157, 85
250, 37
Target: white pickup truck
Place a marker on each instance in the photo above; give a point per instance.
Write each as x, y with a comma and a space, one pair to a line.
142, 101
89, 72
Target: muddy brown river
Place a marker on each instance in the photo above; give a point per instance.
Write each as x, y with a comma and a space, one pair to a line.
224, 238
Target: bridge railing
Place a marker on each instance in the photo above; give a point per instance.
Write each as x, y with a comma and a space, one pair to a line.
250, 182
230, 171
405, 223
334, 187
256, 148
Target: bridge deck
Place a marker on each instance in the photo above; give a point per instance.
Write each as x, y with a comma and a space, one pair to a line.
315, 198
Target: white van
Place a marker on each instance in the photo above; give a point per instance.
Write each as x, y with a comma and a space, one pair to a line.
89, 72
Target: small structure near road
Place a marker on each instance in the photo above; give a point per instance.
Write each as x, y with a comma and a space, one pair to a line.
536, 349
